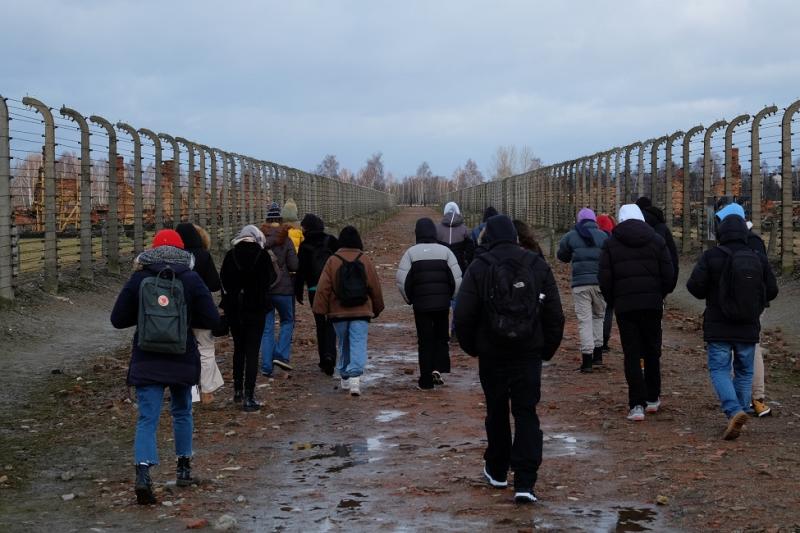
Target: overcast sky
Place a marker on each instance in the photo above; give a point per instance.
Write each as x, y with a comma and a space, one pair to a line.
437, 81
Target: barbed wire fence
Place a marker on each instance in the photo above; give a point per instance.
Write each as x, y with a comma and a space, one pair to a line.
749, 158
78, 192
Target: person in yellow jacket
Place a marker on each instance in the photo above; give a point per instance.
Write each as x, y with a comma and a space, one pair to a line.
289, 216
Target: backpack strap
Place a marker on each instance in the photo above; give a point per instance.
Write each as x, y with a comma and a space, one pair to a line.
343, 260
725, 249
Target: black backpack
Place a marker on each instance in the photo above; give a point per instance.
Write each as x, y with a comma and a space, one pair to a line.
162, 320
742, 293
319, 257
512, 296
249, 300
351, 283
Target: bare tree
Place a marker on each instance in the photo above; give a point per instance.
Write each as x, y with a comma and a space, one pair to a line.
23, 185
510, 160
372, 174
329, 167
424, 171
347, 176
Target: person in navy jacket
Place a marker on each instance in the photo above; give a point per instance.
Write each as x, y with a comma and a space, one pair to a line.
151, 372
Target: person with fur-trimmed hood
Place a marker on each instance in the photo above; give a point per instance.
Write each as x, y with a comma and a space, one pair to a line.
510, 339
635, 276
428, 278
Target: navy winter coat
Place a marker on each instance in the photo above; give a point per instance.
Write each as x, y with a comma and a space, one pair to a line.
152, 368
581, 247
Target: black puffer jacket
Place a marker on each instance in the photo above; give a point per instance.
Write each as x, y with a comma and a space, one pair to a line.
246, 276
203, 262
471, 321
655, 218
314, 238
635, 268
428, 275
705, 280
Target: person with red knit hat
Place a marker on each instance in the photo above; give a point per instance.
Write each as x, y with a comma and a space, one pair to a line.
167, 237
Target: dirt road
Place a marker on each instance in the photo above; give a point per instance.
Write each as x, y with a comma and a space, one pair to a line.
315, 459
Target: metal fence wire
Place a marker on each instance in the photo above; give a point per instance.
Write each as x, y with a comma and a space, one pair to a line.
749, 159
78, 191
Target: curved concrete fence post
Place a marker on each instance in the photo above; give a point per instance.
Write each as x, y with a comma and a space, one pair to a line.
640, 172
6, 260
668, 193
49, 154
85, 232
190, 189
654, 189
225, 201
176, 177
112, 234
787, 229
626, 184
213, 198
202, 200
238, 217
138, 197
708, 198
756, 180
158, 206
617, 181
738, 121
686, 242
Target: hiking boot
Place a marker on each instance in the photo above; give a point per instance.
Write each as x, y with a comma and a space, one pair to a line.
344, 384
761, 408
653, 407
597, 356
238, 395
525, 496
183, 475
283, 364
586, 364
497, 483
144, 486
735, 425
437, 378
355, 386
636, 413
250, 404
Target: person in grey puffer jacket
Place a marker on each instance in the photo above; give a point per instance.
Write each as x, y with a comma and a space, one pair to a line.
581, 247
282, 297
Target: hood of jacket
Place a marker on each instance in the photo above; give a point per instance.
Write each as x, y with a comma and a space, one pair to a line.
653, 215
246, 252
634, 233
452, 219
450, 207
425, 230
499, 228
732, 229
189, 235
628, 212
312, 223
584, 228
350, 238
488, 213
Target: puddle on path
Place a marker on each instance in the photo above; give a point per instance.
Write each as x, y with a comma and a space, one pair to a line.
392, 325
616, 518
566, 444
635, 519
388, 416
349, 504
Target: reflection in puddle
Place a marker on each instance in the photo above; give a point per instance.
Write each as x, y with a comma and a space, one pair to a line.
349, 504
561, 444
391, 325
616, 518
388, 416
631, 519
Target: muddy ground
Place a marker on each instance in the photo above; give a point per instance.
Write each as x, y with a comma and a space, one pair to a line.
394, 459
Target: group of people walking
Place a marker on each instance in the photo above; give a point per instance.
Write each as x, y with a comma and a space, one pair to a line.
506, 306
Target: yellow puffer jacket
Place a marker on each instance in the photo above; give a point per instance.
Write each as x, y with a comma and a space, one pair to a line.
296, 235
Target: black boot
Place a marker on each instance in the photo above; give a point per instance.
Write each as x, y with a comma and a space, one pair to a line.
250, 404
586, 364
144, 486
597, 356
237, 396
183, 475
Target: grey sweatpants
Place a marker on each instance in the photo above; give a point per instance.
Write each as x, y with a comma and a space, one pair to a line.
590, 308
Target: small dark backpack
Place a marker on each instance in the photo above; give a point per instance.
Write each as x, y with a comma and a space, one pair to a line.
511, 296
162, 323
248, 299
319, 257
742, 293
351, 283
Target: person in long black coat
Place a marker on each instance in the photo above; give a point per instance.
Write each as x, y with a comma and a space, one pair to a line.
656, 220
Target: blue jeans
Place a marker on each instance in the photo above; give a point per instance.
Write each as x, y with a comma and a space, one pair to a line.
352, 335
284, 304
734, 393
150, 398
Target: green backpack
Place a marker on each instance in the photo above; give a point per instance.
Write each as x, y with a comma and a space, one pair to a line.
162, 323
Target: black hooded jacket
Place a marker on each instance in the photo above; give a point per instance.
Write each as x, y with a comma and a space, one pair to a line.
655, 218
246, 276
635, 268
314, 241
471, 323
705, 279
203, 262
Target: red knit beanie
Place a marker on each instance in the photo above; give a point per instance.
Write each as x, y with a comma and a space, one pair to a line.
168, 237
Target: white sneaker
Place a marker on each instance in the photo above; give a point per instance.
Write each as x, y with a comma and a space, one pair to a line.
524, 496
355, 390
636, 414
653, 407
344, 384
494, 482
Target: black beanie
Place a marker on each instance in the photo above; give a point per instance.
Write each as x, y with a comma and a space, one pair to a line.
499, 228
425, 230
312, 223
349, 238
644, 202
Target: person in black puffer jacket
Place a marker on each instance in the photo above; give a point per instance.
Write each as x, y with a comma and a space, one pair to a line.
655, 218
197, 242
246, 275
316, 248
635, 276
428, 277
509, 370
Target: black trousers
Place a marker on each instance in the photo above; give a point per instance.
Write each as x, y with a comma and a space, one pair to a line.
246, 346
520, 383
433, 335
326, 336
607, 321
640, 333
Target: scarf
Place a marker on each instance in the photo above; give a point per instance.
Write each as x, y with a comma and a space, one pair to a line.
163, 255
250, 233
